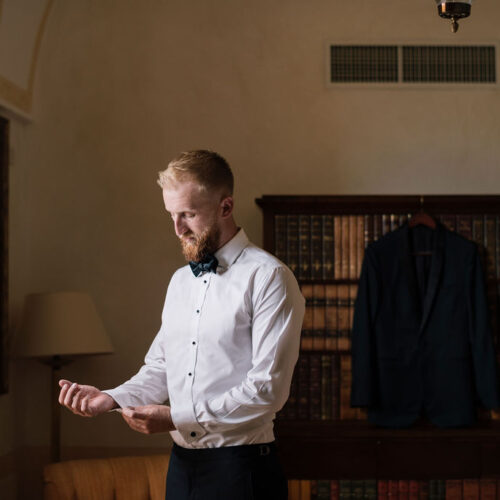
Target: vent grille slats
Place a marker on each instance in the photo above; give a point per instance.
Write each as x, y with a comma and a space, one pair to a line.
415, 64
358, 63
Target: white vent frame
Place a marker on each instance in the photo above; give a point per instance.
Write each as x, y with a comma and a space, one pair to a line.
400, 84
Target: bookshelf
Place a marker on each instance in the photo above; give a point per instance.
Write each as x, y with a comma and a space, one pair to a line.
320, 436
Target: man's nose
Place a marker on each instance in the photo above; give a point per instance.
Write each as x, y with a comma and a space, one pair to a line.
180, 227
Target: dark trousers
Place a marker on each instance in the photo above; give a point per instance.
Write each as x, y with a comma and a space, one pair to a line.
248, 472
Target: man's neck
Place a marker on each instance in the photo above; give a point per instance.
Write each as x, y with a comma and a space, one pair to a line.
227, 234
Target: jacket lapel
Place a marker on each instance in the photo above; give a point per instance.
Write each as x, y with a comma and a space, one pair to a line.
434, 275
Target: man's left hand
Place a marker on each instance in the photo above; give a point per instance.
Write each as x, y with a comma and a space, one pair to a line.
148, 419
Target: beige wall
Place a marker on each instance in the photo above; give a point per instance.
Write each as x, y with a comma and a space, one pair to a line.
120, 89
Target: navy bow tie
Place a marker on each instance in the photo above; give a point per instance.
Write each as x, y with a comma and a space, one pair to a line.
208, 264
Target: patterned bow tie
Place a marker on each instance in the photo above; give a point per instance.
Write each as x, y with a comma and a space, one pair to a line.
208, 264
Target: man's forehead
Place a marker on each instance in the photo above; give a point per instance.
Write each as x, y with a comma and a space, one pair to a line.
180, 196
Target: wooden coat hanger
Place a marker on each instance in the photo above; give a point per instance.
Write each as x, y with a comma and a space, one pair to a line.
424, 219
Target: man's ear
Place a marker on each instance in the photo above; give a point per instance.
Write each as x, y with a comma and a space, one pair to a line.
227, 205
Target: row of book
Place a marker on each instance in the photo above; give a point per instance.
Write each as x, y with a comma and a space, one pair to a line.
321, 390
329, 315
319, 247
371, 489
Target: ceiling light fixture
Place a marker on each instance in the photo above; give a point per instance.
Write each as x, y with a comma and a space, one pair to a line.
454, 10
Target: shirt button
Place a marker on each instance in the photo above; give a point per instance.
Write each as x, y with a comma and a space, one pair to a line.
204, 281
190, 374
197, 310
194, 343
193, 434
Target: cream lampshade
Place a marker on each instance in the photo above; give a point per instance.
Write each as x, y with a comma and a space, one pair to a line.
55, 328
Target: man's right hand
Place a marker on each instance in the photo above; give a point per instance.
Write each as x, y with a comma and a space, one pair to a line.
84, 400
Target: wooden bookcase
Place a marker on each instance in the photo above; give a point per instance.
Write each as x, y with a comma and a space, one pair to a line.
356, 449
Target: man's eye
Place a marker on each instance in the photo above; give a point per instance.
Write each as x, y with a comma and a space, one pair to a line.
189, 216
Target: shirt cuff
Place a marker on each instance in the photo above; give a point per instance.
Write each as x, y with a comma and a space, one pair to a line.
124, 398
185, 422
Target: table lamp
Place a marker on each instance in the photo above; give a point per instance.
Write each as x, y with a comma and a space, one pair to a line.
55, 328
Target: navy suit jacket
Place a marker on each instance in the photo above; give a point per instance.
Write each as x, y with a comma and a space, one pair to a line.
421, 341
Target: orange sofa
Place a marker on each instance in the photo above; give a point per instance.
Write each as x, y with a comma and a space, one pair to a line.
119, 478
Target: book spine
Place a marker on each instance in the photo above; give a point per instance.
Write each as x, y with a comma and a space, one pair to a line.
316, 247
290, 409
353, 247
304, 247
345, 489
331, 317
326, 386
318, 339
370, 489
315, 387
307, 323
334, 490
368, 232
343, 317
323, 489
280, 238
487, 489
345, 248
336, 387
403, 489
478, 236
353, 292
360, 243
424, 489
337, 246
470, 489
394, 221
294, 489
305, 489
303, 387
328, 247
346, 412
464, 226
393, 489
383, 489
414, 490
292, 241
386, 224
377, 227
454, 489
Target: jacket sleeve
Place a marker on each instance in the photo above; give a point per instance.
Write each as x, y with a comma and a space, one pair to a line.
364, 370
480, 336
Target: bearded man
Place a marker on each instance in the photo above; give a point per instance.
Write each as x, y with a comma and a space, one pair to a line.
221, 365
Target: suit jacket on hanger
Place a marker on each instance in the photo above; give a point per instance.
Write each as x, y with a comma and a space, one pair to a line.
421, 340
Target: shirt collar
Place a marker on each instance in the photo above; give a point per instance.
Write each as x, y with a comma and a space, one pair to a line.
227, 254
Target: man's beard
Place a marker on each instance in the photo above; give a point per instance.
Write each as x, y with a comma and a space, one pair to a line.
203, 244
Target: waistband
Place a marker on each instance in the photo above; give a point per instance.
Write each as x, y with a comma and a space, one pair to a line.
242, 451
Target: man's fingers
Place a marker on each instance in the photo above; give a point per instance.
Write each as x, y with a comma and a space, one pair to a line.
75, 404
69, 395
64, 382
62, 393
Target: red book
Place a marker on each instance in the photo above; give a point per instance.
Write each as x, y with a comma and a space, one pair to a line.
334, 490
383, 489
487, 489
454, 489
414, 490
404, 489
471, 489
393, 490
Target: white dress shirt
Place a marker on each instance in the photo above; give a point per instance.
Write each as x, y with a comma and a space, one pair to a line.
226, 349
